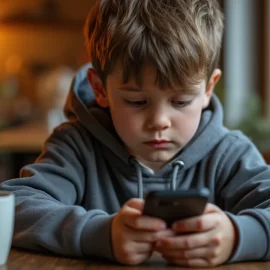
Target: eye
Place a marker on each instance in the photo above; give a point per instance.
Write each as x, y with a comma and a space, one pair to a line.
181, 103
136, 103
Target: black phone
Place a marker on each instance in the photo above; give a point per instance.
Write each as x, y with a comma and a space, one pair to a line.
175, 205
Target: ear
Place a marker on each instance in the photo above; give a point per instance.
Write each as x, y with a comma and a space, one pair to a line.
213, 80
98, 88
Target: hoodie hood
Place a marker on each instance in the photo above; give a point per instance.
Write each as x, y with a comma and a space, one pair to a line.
81, 105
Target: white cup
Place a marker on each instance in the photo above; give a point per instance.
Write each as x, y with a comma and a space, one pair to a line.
7, 211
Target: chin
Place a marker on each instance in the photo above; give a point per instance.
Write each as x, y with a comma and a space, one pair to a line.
161, 158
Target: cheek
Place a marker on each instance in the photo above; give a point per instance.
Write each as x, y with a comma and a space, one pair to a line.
188, 124
123, 121
125, 125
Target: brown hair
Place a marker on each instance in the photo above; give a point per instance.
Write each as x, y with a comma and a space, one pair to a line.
181, 38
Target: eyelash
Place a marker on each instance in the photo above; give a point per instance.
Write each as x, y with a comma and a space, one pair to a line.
182, 103
176, 103
138, 103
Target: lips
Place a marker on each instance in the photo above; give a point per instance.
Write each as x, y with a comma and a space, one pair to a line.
158, 143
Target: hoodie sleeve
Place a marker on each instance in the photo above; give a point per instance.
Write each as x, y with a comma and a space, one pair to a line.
48, 198
245, 196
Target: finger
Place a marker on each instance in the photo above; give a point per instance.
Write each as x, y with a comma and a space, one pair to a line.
195, 240
198, 262
131, 210
201, 223
210, 208
128, 215
207, 252
165, 233
144, 223
143, 247
137, 258
149, 237
136, 204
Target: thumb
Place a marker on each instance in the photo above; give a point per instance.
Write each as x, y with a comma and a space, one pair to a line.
210, 208
135, 203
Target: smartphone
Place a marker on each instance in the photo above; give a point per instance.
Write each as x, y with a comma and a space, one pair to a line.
175, 205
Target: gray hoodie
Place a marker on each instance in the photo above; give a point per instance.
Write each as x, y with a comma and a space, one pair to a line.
65, 202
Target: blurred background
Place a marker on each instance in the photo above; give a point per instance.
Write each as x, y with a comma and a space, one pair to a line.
42, 47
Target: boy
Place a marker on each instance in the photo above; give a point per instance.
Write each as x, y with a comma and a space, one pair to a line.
153, 75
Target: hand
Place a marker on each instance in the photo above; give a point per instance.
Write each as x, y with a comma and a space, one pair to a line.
204, 241
133, 234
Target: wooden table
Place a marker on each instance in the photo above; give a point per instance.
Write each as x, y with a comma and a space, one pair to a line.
25, 138
24, 260
22, 144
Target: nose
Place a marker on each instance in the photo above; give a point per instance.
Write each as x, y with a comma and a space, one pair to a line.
158, 119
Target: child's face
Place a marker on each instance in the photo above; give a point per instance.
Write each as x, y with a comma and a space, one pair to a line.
154, 124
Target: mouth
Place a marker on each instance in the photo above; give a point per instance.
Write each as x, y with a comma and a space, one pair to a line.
158, 143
